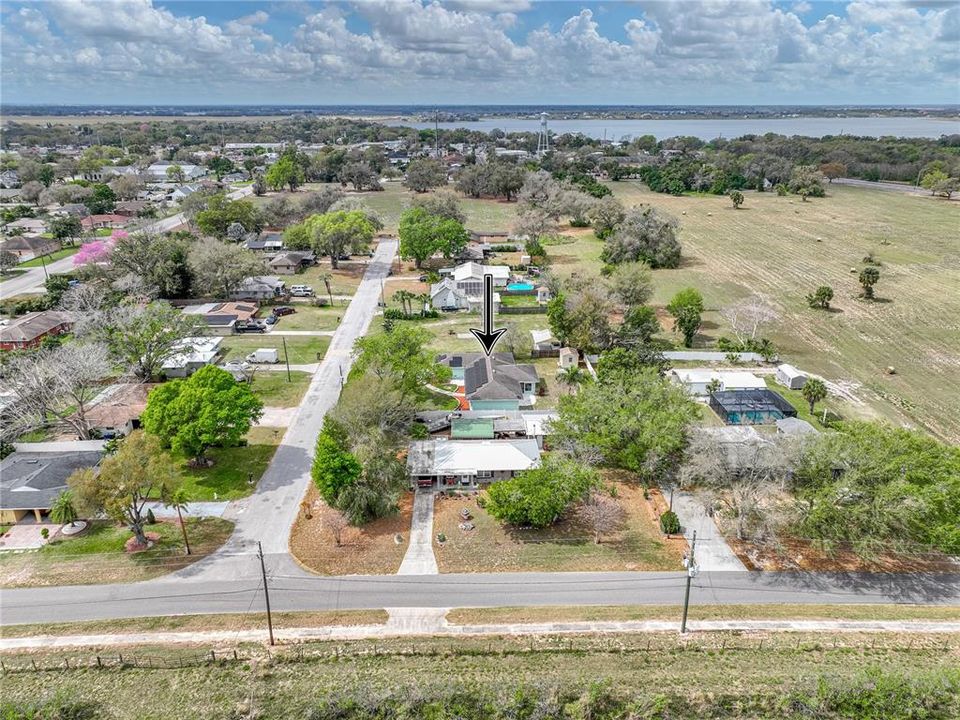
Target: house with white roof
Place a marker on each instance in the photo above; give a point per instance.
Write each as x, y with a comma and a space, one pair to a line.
441, 463
462, 287
194, 353
698, 381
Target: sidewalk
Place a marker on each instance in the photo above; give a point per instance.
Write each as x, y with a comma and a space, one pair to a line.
411, 623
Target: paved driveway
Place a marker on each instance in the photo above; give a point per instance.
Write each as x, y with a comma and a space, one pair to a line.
419, 558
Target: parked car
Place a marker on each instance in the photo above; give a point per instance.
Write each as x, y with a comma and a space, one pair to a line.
423, 278
250, 326
301, 291
282, 310
272, 320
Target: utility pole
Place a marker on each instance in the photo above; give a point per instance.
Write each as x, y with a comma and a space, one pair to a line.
691, 566
266, 590
286, 358
43, 262
436, 131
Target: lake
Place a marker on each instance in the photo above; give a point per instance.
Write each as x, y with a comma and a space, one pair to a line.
707, 129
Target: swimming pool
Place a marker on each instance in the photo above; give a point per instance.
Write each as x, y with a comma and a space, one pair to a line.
520, 287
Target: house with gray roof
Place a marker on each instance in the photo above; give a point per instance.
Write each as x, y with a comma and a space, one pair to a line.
30, 482
496, 382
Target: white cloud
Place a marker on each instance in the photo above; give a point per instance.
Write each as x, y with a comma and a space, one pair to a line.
470, 51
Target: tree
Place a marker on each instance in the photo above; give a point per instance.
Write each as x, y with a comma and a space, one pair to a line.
335, 232
175, 174
601, 513
749, 316
833, 170
180, 501
57, 384
814, 390
442, 204
868, 278
807, 180
400, 356
218, 268
101, 201
571, 377
424, 174
504, 179
65, 228
334, 466
220, 213
326, 278
739, 477
160, 262
46, 175
126, 481
360, 175
736, 197
687, 309
606, 215
220, 166
422, 235
207, 409
646, 234
63, 511
632, 283
538, 497
335, 522
319, 202
285, 172
404, 297
939, 183
144, 337
631, 418
8, 261
126, 187
30, 191
375, 493
821, 297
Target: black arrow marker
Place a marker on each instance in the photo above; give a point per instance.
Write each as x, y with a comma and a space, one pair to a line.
488, 336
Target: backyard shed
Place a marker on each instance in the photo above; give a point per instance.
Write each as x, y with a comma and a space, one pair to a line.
791, 377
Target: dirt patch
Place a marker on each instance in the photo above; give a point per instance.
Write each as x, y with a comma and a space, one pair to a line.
368, 550
792, 554
568, 546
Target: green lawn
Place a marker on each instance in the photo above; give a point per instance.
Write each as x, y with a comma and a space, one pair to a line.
97, 555
10, 274
52, 257
229, 477
273, 388
310, 317
303, 350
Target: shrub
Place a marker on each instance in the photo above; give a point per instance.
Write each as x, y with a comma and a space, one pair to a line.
538, 497
151, 518
670, 523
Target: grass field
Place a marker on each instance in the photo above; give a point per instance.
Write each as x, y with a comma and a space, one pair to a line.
229, 477
783, 248
52, 257
272, 387
303, 350
97, 555
310, 317
660, 676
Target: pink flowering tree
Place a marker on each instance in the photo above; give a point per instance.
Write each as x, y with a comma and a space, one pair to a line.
97, 252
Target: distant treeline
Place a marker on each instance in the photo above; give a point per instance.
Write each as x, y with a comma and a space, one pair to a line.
741, 163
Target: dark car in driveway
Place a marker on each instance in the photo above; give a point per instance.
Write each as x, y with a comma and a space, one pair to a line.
250, 326
282, 310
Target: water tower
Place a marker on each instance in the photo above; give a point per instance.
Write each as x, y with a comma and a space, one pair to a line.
543, 139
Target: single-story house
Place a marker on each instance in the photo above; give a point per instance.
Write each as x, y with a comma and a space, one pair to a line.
498, 383
260, 287
27, 247
9, 179
119, 412
272, 243
131, 208
471, 424
221, 317
181, 193
446, 295
195, 353
698, 380
29, 330
71, 209
95, 222
791, 377
158, 171
27, 224
292, 262
440, 463
30, 482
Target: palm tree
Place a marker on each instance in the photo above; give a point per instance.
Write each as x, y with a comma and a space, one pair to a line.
572, 377
423, 299
326, 278
63, 511
404, 297
179, 501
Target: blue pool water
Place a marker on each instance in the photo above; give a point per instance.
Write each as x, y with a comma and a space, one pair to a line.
520, 287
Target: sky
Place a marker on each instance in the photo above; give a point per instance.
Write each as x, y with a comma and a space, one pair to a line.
636, 52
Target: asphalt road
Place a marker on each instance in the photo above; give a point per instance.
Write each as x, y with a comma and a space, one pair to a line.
885, 186
267, 515
287, 593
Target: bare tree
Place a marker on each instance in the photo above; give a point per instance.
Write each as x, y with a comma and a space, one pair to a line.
749, 316
602, 513
58, 385
741, 477
335, 522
